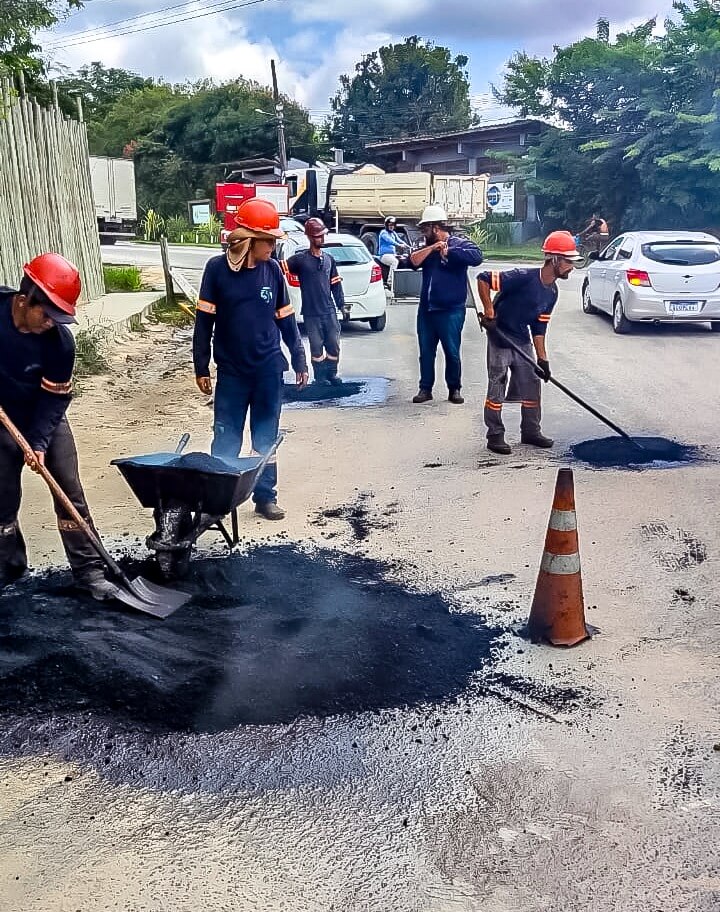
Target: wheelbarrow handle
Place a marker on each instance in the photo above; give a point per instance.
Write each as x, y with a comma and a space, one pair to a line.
269, 455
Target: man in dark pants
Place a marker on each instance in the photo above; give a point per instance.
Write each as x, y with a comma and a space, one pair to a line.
322, 298
521, 310
243, 303
37, 356
444, 261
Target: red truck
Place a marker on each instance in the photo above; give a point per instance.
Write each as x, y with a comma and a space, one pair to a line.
229, 196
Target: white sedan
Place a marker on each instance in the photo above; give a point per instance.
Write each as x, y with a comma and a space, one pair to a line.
656, 277
361, 277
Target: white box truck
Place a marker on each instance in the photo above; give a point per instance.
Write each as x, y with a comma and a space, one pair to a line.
113, 186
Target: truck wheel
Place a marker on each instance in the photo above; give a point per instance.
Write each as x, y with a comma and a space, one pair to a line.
377, 324
107, 240
370, 240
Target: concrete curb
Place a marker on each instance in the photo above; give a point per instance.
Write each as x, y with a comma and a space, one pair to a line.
119, 312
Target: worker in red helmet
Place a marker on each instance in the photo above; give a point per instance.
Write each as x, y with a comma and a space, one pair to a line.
243, 311
37, 356
521, 309
322, 298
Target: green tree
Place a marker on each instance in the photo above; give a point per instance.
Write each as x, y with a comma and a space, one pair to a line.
99, 88
404, 89
19, 21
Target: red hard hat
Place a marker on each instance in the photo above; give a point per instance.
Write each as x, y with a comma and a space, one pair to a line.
57, 278
561, 243
315, 227
259, 215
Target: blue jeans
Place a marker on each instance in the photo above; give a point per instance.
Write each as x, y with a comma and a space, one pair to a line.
445, 327
234, 395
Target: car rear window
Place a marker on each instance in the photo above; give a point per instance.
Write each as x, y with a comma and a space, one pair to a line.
682, 253
349, 255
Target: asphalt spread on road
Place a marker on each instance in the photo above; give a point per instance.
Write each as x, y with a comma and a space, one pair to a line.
617, 452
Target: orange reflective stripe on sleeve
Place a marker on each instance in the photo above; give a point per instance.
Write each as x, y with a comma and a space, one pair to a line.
335, 280
495, 281
60, 389
544, 318
287, 311
206, 307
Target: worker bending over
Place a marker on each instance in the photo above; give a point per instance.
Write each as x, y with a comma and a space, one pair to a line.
37, 357
244, 310
524, 301
322, 298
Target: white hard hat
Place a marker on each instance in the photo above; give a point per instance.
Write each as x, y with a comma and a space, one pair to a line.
433, 214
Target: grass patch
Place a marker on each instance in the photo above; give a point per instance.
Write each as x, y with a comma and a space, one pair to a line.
516, 252
122, 278
91, 351
171, 314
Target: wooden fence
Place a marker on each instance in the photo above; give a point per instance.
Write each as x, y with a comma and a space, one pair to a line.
46, 201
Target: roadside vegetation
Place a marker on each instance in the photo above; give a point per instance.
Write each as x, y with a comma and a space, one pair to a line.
92, 347
122, 278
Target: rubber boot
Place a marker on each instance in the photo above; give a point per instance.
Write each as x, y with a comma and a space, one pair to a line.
93, 581
13, 556
320, 373
497, 444
332, 373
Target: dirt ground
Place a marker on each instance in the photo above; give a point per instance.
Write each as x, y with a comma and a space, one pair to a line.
608, 802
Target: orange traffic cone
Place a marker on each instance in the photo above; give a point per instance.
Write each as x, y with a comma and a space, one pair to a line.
557, 615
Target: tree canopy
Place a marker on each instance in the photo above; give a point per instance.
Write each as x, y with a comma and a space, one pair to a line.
19, 21
640, 137
404, 89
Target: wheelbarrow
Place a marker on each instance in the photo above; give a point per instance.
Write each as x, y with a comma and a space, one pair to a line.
189, 501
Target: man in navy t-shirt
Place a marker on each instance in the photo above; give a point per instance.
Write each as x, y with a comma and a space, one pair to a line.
243, 304
521, 310
322, 298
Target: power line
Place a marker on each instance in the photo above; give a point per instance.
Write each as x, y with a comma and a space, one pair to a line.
172, 20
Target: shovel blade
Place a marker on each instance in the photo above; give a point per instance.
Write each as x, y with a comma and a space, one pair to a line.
158, 601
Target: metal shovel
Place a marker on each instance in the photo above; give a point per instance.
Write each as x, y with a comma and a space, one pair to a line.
140, 594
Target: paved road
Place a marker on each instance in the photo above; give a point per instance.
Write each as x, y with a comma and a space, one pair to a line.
465, 774
127, 253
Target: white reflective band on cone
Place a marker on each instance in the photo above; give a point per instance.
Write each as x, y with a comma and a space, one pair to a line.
561, 564
563, 520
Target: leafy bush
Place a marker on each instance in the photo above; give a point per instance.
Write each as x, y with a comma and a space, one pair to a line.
180, 314
494, 231
152, 225
177, 229
209, 233
122, 278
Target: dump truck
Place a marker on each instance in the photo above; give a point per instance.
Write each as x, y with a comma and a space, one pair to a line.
113, 187
359, 203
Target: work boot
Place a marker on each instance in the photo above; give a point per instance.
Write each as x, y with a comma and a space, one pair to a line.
332, 376
497, 444
455, 397
13, 558
270, 510
422, 396
94, 582
320, 373
537, 440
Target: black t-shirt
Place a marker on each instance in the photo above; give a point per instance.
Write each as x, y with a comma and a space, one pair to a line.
320, 284
35, 375
247, 311
523, 304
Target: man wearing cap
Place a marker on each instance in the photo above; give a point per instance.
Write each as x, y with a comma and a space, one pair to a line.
390, 244
520, 312
243, 311
322, 298
37, 357
444, 261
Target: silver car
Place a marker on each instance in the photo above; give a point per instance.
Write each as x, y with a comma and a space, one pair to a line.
656, 277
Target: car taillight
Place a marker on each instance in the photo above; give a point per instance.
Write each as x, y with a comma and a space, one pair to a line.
293, 280
376, 274
638, 277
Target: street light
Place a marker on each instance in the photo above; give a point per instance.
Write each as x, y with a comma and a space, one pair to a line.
279, 118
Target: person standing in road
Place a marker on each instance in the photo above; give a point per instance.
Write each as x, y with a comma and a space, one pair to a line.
596, 233
390, 245
322, 298
244, 311
37, 357
444, 261
521, 309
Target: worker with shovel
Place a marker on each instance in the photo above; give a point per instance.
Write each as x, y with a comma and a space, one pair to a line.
516, 321
37, 356
243, 304
322, 298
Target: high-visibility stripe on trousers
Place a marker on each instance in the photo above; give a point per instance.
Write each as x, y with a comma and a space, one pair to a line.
504, 364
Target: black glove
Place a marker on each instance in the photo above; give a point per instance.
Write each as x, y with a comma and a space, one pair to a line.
487, 323
542, 369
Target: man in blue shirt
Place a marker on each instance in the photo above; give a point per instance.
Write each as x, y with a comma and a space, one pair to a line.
444, 261
243, 305
521, 310
322, 298
37, 357
390, 244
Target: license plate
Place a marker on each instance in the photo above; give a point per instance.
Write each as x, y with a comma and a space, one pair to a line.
684, 307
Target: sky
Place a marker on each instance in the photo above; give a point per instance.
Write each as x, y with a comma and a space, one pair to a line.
314, 41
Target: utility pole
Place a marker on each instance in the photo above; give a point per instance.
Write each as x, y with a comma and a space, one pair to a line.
280, 120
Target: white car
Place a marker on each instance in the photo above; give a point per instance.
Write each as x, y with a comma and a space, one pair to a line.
656, 277
361, 277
